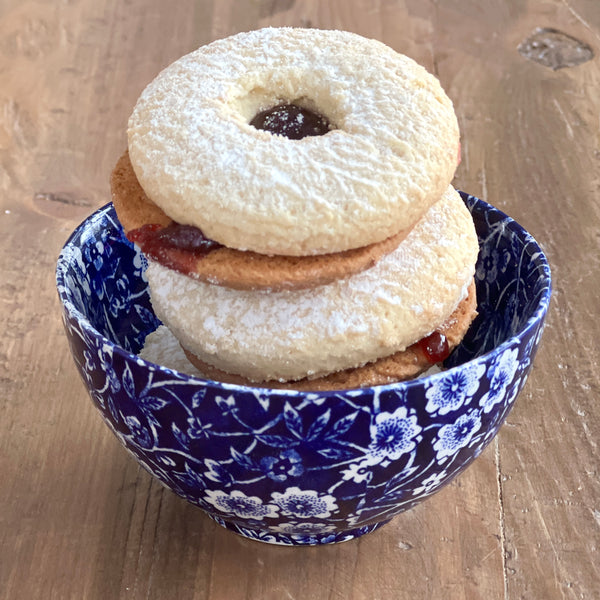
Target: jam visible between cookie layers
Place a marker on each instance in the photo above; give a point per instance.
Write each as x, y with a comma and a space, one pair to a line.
175, 246
179, 247
434, 347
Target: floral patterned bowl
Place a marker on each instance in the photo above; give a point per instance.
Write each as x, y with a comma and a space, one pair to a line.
292, 467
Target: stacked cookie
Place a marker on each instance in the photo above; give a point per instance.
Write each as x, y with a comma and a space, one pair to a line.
291, 189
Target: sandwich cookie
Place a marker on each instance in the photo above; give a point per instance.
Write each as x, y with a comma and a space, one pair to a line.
290, 335
185, 249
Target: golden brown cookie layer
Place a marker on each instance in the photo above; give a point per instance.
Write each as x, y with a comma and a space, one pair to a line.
133, 206
400, 366
235, 268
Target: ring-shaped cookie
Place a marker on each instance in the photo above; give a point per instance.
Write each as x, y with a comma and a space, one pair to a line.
390, 155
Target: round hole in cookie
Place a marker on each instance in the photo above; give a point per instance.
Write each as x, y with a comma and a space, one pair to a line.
272, 101
292, 121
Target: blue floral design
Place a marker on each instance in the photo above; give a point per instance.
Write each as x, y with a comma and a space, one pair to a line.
450, 393
104, 356
357, 472
140, 434
500, 374
279, 468
94, 253
119, 303
219, 472
238, 504
292, 467
197, 429
305, 503
493, 262
392, 435
457, 435
431, 483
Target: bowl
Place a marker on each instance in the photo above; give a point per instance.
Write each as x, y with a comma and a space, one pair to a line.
290, 467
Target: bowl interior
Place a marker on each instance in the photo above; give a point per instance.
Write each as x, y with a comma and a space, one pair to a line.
100, 277
512, 278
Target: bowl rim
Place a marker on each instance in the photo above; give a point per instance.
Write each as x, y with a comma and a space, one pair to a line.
533, 321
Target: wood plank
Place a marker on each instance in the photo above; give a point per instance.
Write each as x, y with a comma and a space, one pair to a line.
537, 138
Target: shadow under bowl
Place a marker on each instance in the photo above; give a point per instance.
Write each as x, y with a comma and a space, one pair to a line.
292, 467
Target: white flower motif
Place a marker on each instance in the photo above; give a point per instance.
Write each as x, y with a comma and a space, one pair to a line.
457, 435
198, 430
240, 505
452, 391
430, 484
500, 374
357, 472
392, 435
305, 503
279, 468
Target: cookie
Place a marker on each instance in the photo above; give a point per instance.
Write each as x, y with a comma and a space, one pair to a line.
226, 266
400, 366
290, 335
133, 207
387, 153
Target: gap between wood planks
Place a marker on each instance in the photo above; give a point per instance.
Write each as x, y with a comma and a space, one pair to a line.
502, 524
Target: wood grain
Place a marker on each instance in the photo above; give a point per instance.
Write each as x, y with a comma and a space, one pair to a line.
80, 519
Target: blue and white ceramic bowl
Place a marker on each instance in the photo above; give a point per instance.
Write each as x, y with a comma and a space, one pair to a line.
292, 467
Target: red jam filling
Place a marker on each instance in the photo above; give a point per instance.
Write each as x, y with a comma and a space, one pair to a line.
175, 246
435, 347
291, 121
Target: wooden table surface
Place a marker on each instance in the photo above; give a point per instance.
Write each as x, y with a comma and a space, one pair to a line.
80, 519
